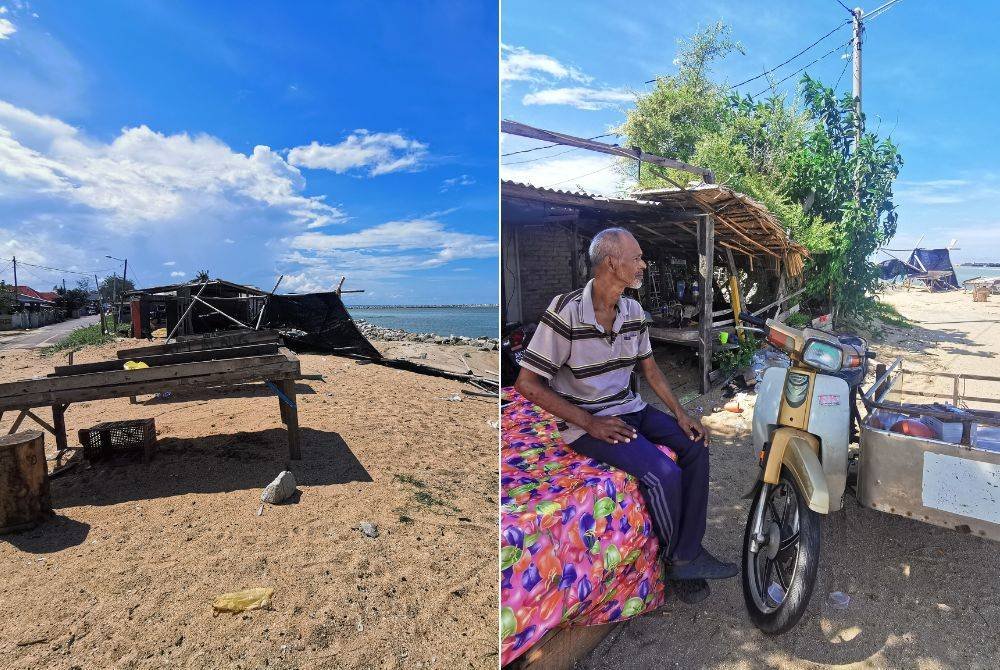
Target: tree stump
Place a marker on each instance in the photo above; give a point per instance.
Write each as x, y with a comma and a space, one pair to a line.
24, 481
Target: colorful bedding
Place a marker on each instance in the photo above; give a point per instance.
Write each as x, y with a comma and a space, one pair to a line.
576, 546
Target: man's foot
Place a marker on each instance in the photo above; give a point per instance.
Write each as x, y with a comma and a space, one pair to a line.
703, 566
690, 591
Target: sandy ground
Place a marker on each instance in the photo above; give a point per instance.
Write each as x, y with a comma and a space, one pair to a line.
922, 597
124, 574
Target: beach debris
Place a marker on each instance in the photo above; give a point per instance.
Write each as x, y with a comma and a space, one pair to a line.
839, 600
454, 398
242, 601
495, 425
277, 491
132, 365
734, 407
369, 529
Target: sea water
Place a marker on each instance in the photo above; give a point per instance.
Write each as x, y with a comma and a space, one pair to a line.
964, 272
460, 320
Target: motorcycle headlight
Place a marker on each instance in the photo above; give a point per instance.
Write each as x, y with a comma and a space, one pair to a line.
823, 355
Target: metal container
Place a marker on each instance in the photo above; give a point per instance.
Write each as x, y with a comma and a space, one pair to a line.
952, 485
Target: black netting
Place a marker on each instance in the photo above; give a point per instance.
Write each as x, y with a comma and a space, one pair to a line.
323, 322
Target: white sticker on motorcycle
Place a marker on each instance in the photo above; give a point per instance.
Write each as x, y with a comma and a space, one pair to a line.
829, 399
962, 486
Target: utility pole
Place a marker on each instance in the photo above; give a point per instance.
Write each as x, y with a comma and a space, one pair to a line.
114, 302
14, 259
100, 306
859, 30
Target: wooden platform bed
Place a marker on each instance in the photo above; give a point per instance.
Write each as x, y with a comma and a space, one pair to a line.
196, 363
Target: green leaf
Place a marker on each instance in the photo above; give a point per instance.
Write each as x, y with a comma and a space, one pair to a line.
632, 607
603, 507
546, 507
612, 557
509, 555
508, 623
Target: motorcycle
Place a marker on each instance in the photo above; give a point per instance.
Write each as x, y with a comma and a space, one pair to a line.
802, 428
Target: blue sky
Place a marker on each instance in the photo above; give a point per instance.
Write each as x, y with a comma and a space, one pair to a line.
928, 69
253, 139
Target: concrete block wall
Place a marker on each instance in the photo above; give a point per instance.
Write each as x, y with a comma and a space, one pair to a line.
546, 267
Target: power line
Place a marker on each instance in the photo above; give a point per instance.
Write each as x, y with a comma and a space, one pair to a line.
879, 11
849, 10
606, 167
847, 62
549, 146
786, 62
780, 81
541, 158
75, 272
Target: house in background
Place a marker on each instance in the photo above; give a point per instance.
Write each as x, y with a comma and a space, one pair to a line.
31, 309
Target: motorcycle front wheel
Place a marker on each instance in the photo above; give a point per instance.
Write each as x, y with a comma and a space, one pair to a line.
778, 577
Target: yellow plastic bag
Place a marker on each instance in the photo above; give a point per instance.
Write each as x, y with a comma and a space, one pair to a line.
241, 601
132, 365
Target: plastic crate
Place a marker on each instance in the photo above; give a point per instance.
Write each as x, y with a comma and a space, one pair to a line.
105, 439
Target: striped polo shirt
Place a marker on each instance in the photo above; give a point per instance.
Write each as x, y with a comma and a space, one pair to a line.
585, 365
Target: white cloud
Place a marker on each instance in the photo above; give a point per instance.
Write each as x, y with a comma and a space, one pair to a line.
591, 173
6, 27
579, 97
461, 180
379, 153
143, 178
229, 241
178, 274
520, 64
170, 263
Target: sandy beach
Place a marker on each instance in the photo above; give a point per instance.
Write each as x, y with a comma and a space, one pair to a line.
922, 597
123, 575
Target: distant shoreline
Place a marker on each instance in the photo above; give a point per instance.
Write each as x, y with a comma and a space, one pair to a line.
415, 306
979, 265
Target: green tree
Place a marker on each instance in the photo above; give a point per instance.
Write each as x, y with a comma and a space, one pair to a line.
111, 284
799, 162
74, 298
7, 302
202, 276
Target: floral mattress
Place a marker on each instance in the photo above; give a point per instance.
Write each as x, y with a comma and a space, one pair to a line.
577, 546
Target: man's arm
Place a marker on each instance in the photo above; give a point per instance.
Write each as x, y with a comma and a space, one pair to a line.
607, 428
654, 377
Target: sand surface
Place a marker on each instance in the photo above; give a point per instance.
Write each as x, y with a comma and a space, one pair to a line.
922, 597
124, 574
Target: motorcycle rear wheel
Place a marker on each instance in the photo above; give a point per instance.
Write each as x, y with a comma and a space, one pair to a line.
778, 579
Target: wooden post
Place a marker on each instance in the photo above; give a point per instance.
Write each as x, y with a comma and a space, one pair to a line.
24, 481
735, 300
290, 416
706, 253
59, 429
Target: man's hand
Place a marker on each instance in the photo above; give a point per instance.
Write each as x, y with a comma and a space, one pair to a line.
610, 429
692, 428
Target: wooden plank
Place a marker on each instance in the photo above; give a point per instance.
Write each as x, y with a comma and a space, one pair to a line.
291, 418
170, 359
202, 342
564, 648
59, 427
524, 130
285, 370
706, 258
125, 377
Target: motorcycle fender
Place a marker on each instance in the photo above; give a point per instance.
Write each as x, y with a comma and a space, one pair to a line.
798, 451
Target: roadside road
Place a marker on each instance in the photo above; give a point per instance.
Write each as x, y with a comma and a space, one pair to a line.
46, 336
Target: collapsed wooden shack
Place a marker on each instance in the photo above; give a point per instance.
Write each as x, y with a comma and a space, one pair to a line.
701, 235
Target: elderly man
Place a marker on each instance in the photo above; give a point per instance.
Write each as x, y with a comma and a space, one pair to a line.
586, 346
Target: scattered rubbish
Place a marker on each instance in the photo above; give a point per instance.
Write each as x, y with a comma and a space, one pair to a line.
839, 600
733, 407
495, 425
163, 395
132, 365
454, 398
279, 490
420, 356
767, 358
369, 529
776, 593
242, 601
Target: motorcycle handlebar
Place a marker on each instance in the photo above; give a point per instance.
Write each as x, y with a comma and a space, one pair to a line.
747, 317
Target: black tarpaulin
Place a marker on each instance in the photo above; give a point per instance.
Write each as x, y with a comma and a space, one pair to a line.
323, 320
893, 268
934, 260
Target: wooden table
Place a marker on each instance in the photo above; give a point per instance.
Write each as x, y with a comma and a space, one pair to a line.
172, 367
